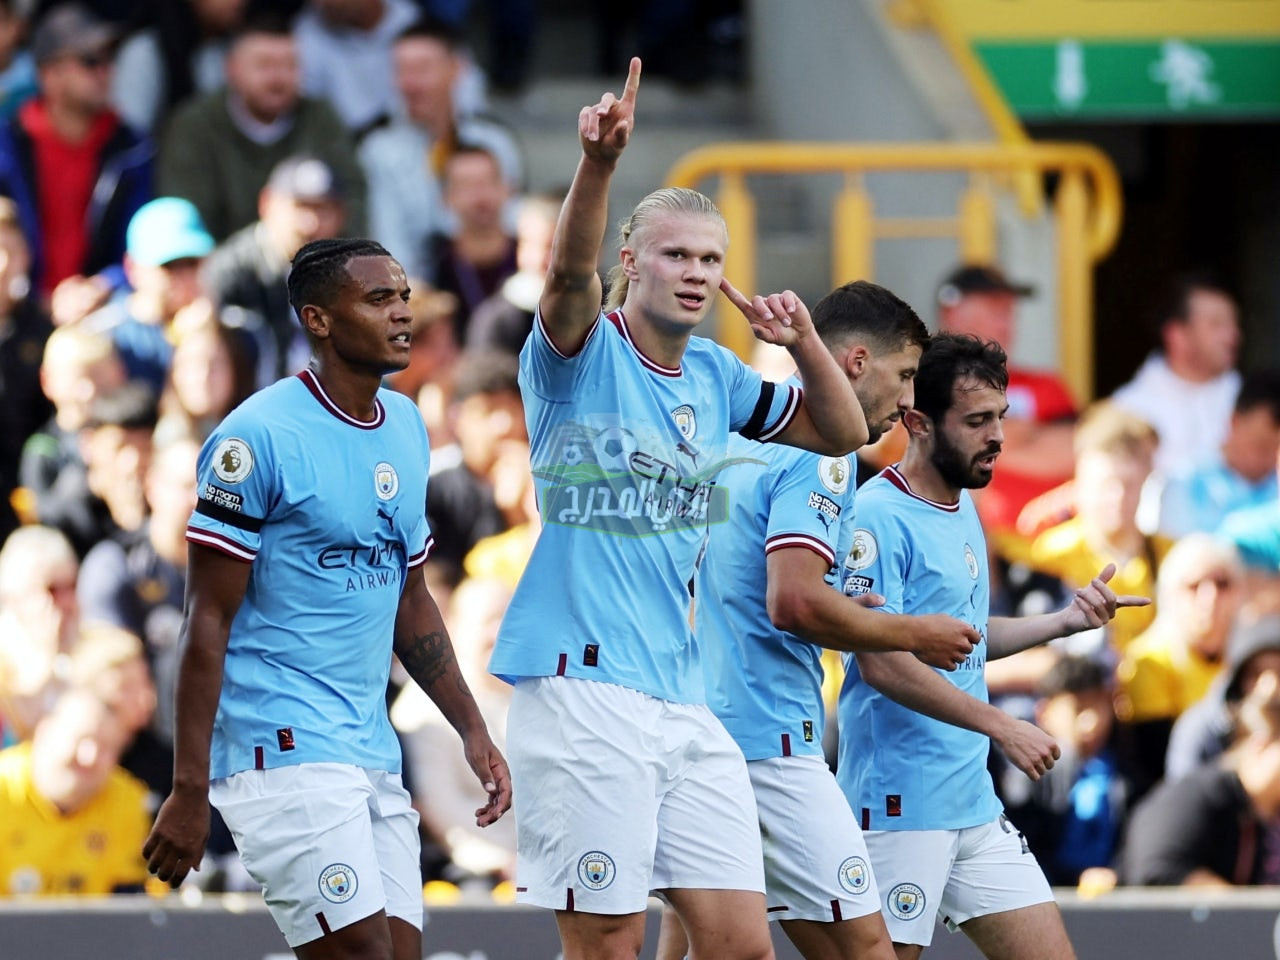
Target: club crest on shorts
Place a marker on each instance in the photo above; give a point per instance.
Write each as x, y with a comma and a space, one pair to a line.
855, 875
338, 883
232, 460
906, 901
596, 870
686, 420
386, 482
864, 551
834, 473
971, 561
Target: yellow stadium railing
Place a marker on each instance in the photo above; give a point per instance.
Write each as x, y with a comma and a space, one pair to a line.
1087, 206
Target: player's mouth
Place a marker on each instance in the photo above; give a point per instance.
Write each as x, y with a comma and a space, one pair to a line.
402, 339
692, 301
987, 460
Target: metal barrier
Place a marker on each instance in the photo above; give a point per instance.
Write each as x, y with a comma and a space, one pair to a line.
1087, 206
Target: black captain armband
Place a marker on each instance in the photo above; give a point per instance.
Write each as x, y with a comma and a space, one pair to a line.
216, 511
755, 425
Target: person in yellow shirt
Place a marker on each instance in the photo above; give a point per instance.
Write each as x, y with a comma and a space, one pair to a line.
71, 821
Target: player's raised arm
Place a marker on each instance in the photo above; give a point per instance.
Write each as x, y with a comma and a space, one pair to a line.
570, 300
830, 419
216, 586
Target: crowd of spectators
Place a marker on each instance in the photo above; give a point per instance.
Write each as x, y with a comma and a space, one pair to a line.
156, 178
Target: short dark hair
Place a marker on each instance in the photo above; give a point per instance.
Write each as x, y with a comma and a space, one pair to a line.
1261, 388
862, 310
130, 407
1073, 674
485, 372
320, 268
267, 21
432, 28
1176, 306
951, 358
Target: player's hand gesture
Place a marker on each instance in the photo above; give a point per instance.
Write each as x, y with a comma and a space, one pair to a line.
780, 318
605, 128
943, 641
1096, 604
177, 840
1027, 747
489, 766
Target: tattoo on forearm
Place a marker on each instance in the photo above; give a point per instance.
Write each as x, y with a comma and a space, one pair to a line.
428, 657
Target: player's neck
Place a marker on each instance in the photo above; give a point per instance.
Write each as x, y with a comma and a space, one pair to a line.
352, 391
918, 470
663, 344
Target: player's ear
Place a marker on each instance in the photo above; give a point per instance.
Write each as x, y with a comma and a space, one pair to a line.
856, 360
917, 424
316, 321
627, 257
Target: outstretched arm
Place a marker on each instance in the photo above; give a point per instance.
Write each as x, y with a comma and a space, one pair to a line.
216, 585
1093, 606
426, 653
830, 418
570, 300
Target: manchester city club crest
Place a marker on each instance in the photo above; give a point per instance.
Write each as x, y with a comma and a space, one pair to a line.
338, 883
834, 472
386, 481
232, 460
855, 875
686, 420
864, 551
971, 561
906, 901
596, 870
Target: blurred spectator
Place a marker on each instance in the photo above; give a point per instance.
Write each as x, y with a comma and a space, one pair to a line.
1241, 475
135, 581
111, 663
218, 150
71, 821
1072, 816
487, 414
24, 330
1187, 389
478, 254
503, 321
446, 792
39, 624
78, 367
344, 47
166, 243
404, 161
1205, 729
1037, 454
503, 556
17, 66
433, 357
211, 375
303, 200
76, 172
1212, 827
181, 54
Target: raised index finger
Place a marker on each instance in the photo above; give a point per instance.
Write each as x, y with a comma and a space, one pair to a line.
633, 82
735, 296
1129, 600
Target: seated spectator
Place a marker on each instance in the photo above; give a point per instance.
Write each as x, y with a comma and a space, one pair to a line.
487, 414
71, 821
404, 161
212, 373
1242, 475
17, 66
39, 625
1211, 827
24, 330
344, 49
478, 253
219, 149
75, 171
1187, 389
503, 321
1205, 729
179, 55
433, 359
1255, 533
503, 556
1072, 816
303, 200
166, 244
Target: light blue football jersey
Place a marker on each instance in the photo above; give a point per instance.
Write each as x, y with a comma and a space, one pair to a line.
764, 684
331, 512
627, 456
900, 769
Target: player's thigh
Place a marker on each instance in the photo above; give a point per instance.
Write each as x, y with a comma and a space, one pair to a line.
865, 937
586, 786
723, 924
911, 868
600, 936
367, 939
306, 834
708, 830
816, 863
1029, 933
994, 872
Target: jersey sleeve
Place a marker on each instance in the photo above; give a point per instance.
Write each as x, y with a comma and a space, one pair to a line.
546, 371
807, 500
758, 408
420, 540
236, 484
878, 558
